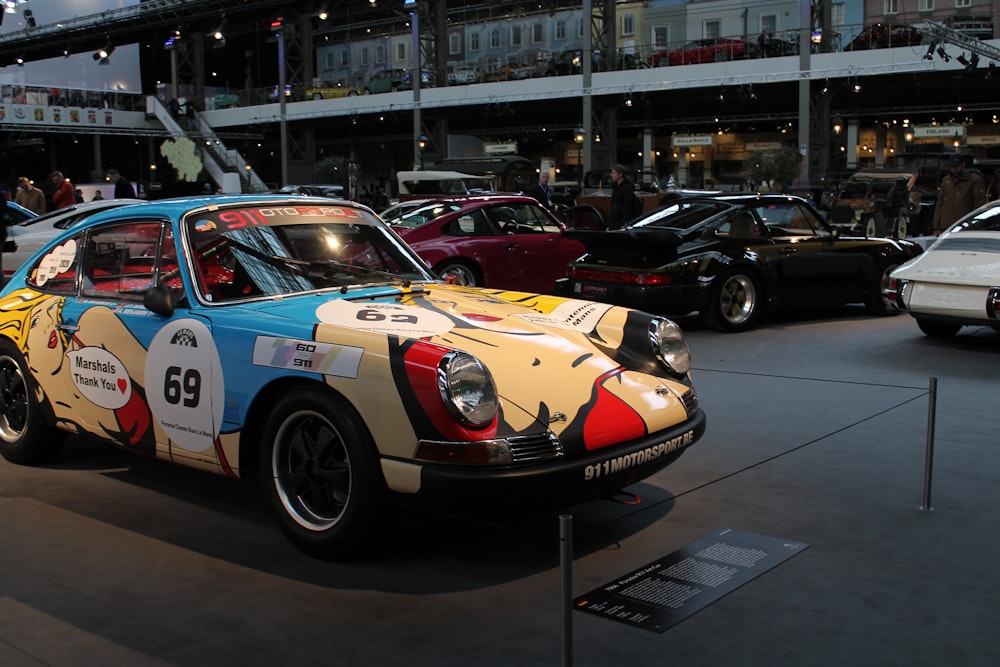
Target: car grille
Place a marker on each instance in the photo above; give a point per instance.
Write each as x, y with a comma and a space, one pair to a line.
690, 401
530, 448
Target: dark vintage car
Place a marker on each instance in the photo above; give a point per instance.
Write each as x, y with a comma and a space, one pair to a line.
730, 257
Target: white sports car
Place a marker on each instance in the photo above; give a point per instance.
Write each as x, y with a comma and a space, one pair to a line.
957, 281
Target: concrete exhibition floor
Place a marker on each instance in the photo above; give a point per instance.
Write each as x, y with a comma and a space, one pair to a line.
817, 432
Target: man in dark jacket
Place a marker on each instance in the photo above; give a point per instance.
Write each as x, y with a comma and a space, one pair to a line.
961, 191
623, 198
123, 189
541, 190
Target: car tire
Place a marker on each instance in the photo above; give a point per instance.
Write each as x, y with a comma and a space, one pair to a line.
367, 91
319, 473
938, 329
25, 437
721, 56
460, 273
663, 61
317, 96
736, 302
352, 93
878, 303
587, 220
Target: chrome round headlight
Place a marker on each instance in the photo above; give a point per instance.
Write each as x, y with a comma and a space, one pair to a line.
467, 389
669, 345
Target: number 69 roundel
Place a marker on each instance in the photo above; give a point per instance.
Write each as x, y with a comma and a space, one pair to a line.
184, 384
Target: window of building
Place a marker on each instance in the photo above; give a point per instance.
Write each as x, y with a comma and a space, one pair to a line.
963, 4
660, 36
712, 28
495, 39
380, 54
927, 6
401, 52
345, 59
837, 13
515, 35
769, 23
454, 43
890, 7
474, 41
365, 56
628, 24
560, 29
537, 33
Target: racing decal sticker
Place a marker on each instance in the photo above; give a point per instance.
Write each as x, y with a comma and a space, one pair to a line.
573, 315
307, 355
384, 318
184, 384
58, 260
100, 376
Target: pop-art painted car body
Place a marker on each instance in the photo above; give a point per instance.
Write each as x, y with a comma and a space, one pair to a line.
300, 341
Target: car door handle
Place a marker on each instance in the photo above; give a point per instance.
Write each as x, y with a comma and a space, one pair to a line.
788, 251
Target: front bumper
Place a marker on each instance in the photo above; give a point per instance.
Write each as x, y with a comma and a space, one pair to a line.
567, 480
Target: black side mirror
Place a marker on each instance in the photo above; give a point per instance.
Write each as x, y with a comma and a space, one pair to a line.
159, 300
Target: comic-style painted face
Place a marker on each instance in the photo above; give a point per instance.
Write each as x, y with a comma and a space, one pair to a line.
45, 347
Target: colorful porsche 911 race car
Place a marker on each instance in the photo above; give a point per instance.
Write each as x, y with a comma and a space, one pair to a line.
301, 342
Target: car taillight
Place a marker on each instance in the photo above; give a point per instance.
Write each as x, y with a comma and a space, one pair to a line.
992, 301
620, 277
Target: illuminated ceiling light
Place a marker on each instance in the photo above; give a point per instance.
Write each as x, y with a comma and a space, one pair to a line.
323, 13
944, 55
102, 54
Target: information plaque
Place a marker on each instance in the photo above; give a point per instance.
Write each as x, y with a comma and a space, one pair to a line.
665, 592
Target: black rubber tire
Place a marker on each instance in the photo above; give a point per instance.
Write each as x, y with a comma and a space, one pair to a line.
25, 438
736, 302
938, 329
317, 96
319, 473
877, 303
462, 272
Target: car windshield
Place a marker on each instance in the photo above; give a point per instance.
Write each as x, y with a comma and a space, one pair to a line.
251, 252
424, 214
987, 220
682, 214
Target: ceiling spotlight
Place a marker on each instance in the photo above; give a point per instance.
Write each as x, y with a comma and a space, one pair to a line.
29, 18
944, 56
102, 54
973, 62
323, 13
628, 99
930, 51
962, 59
20, 61
219, 34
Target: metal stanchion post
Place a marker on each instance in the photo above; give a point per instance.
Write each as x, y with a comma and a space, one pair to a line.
929, 457
566, 558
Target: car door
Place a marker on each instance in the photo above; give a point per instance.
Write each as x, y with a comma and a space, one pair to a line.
806, 261
146, 381
535, 252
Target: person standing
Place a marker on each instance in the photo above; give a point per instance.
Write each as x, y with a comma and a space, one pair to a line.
541, 191
962, 190
63, 195
29, 196
623, 198
123, 189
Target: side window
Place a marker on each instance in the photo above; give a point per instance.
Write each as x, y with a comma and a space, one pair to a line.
123, 261
788, 219
473, 223
56, 271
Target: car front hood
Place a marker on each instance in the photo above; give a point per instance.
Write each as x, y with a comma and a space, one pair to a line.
586, 371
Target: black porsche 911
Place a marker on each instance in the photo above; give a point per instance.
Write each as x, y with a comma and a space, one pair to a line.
729, 257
